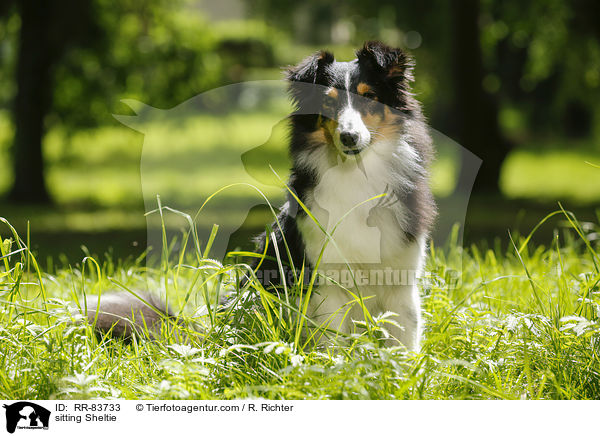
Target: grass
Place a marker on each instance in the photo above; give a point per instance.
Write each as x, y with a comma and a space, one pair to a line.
102, 179
522, 323
110, 171
546, 172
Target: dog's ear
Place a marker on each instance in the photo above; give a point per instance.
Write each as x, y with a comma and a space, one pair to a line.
312, 69
393, 63
302, 78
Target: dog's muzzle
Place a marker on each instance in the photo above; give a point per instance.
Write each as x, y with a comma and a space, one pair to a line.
349, 140
350, 143
354, 136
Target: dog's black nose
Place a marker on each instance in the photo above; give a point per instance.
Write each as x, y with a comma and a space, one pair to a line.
349, 139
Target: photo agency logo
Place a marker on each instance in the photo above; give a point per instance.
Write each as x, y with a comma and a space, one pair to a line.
25, 415
216, 166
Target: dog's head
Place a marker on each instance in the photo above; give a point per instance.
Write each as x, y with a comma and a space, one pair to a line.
350, 105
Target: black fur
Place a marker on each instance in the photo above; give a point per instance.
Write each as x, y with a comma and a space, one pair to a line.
389, 71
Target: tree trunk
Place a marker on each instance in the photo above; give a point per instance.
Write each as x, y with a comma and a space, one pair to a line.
476, 111
34, 90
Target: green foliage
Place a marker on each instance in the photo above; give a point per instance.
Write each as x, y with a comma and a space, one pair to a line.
100, 166
155, 51
542, 57
8, 57
519, 324
539, 175
545, 55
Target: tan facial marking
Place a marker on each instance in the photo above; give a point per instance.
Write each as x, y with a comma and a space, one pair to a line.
390, 124
333, 93
324, 134
317, 137
363, 88
372, 120
383, 125
329, 126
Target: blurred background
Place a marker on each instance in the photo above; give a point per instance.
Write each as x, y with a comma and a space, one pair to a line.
516, 83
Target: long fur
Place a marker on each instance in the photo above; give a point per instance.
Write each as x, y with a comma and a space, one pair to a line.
361, 154
394, 161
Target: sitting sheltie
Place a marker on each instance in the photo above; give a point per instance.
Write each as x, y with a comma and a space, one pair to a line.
359, 208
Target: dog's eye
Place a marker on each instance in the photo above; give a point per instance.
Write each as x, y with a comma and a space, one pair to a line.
328, 102
370, 94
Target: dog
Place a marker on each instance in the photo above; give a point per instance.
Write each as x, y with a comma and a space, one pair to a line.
359, 208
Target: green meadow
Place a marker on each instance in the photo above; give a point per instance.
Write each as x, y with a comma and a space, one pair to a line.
95, 175
520, 323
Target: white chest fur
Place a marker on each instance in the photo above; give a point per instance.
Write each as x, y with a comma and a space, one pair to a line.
355, 203
367, 235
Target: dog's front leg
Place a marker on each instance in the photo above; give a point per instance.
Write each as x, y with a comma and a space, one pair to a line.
405, 302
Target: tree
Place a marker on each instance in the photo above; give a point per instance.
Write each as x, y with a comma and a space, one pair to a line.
77, 58
48, 30
476, 111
